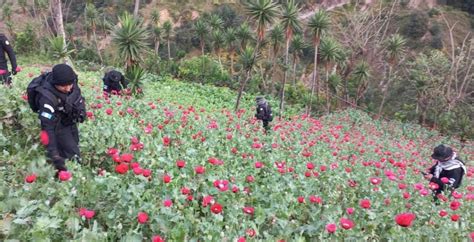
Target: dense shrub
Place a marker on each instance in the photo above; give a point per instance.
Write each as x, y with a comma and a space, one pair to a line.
204, 69
415, 25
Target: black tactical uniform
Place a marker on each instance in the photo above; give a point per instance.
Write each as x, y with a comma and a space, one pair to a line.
449, 167
5, 46
114, 82
59, 117
264, 112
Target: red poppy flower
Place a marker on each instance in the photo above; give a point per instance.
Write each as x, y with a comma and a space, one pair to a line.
375, 180
331, 228
443, 213
346, 223
216, 208
44, 138
405, 219
455, 205
166, 178
64, 175
122, 168
127, 157
137, 170
31, 178
146, 173
142, 217
207, 200
180, 163
222, 185
444, 180
301, 199
157, 238
166, 141
350, 211
248, 210
167, 203
314, 199
365, 203
455, 217
199, 169
258, 164
108, 111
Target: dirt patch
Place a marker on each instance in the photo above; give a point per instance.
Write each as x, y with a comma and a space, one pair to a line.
422, 3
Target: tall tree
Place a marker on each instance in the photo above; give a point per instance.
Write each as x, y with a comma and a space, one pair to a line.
92, 17
230, 39
156, 38
395, 47
263, 12
217, 38
296, 48
331, 52
136, 8
200, 27
168, 29
57, 12
276, 39
244, 34
291, 24
318, 24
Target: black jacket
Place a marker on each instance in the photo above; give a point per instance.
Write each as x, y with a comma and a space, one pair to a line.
264, 112
5, 46
111, 85
454, 175
58, 117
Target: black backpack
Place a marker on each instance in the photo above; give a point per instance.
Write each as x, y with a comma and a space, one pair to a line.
264, 112
37, 86
74, 107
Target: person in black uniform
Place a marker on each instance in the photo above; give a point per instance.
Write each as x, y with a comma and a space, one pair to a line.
5, 46
61, 106
448, 171
114, 82
264, 112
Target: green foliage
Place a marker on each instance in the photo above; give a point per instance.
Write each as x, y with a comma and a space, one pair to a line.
131, 39
433, 12
58, 49
135, 75
415, 25
26, 41
7, 12
204, 69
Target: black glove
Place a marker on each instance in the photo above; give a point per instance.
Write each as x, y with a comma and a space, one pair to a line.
14, 72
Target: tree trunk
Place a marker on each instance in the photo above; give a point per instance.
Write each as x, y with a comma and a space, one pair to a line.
242, 84
385, 90
137, 7
282, 93
328, 97
97, 44
294, 71
313, 79
169, 51
157, 47
57, 13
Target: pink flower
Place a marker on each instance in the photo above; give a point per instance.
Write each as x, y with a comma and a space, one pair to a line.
258, 164
216, 208
157, 238
350, 211
365, 203
44, 138
64, 175
443, 213
222, 185
167, 203
455, 217
405, 219
248, 210
88, 214
301, 199
146, 173
142, 217
314, 199
455, 205
444, 180
375, 180
180, 163
166, 178
207, 200
199, 169
31, 178
346, 223
331, 228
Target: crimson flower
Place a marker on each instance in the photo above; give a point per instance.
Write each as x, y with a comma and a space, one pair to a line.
301, 199
157, 238
199, 169
166, 141
207, 200
455, 217
405, 219
44, 138
350, 211
31, 178
444, 180
258, 164
127, 157
314, 199
443, 213
455, 205
331, 228
64, 175
142, 217
185, 191
346, 223
146, 172
166, 178
216, 208
122, 168
167, 203
248, 210
180, 163
375, 180
222, 185
365, 203
88, 214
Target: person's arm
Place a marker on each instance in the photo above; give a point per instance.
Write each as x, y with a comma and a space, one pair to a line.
455, 177
124, 82
49, 119
6, 46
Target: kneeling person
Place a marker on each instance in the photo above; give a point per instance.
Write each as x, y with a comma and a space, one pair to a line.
114, 82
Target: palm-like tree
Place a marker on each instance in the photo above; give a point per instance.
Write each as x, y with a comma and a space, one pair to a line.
318, 24
243, 35
215, 22
263, 12
168, 29
59, 49
276, 39
395, 47
330, 52
92, 18
296, 48
200, 27
230, 39
217, 38
131, 39
156, 31
291, 24
155, 17
360, 76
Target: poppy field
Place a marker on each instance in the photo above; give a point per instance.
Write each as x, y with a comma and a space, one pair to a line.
178, 164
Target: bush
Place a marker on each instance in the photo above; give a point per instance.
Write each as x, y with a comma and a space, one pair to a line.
437, 42
204, 69
26, 41
433, 12
415, 25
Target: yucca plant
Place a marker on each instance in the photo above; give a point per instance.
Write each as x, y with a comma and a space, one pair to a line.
134, 75
59, 49
131, 39
247, 59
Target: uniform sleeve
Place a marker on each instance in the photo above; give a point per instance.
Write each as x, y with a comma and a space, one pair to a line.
6, 46
106, 83
455, 177
49, 120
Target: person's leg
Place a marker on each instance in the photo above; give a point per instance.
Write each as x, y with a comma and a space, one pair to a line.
68, 142
6, 79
